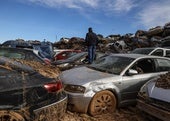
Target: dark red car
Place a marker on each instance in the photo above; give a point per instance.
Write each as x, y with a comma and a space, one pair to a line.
64, 54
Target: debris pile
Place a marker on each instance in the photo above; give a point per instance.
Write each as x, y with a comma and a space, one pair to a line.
157, 36
164, 81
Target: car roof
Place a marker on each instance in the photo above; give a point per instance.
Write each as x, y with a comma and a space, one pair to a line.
11, 48
15, 65
153, 48
135, 56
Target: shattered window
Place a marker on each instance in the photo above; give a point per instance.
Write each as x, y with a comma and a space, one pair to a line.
112, 64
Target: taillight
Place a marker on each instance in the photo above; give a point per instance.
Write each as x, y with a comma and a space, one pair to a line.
53, 86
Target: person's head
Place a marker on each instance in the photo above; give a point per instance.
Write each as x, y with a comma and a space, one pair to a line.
90, 29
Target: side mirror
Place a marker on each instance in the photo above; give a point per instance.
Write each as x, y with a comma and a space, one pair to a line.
132, 72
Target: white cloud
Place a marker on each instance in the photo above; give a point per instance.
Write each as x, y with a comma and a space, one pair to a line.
155, 14
76, 4
103, 5
124, 5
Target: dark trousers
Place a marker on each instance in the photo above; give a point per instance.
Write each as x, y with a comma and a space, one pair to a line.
91, 53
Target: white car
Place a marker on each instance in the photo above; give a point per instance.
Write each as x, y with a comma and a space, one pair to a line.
157, 51
110, 82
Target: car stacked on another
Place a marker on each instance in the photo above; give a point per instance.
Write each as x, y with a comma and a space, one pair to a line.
75, 60
110, 82
28, 95
154, 97
64, 54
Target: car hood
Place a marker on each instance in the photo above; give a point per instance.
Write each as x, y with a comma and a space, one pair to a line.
158, 93
83, 75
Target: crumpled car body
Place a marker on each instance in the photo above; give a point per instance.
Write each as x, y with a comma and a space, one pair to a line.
114, 76
154, 99
74, 61
27, 95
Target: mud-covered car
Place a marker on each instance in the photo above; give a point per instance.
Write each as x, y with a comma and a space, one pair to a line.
154, 97
24, 53
110, 82
27, 95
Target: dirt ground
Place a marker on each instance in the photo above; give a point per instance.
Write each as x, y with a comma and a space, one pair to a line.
123, 114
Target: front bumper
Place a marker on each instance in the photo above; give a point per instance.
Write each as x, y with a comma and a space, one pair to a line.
51, 112
153, 110
78, 102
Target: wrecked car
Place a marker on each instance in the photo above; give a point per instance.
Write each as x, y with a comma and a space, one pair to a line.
64, 54
23, 53
27, 95
154, 97
74, 61
110, 82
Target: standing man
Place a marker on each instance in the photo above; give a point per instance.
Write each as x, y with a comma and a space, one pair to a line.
91, 41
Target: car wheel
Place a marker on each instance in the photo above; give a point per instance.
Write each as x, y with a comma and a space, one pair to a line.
10, 116
103, 102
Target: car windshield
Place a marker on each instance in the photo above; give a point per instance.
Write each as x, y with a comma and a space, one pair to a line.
77, 56
142, 51
111, 64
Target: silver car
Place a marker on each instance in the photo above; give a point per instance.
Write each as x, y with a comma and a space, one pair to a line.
154, 99
110, 82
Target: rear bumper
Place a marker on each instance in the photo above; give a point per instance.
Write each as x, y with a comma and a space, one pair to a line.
153, 110
54, 111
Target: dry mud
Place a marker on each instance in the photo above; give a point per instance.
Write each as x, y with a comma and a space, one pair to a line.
123, 114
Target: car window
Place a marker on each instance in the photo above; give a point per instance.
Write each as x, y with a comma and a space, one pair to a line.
10, 54
158, 52
167, 53
142, 51
163, 65
144, 66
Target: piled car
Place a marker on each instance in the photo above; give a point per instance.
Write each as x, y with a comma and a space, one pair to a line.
28, 93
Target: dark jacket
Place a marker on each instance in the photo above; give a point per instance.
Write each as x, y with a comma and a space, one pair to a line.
91, 39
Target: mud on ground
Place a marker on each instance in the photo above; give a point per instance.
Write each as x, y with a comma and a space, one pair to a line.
123, 114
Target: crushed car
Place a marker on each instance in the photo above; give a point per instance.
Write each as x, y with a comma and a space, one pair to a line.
110, 82
28, 95
64, 54
75, 60
154, 97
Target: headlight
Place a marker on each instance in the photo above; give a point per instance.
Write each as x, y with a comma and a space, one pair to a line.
74, 88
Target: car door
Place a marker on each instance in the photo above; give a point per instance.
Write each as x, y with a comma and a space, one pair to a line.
131, 84
10, 86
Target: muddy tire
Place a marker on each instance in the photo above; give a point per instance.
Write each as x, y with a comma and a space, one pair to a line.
10, 116
103, 102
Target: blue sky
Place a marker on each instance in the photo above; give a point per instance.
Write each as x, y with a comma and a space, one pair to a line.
54, 19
